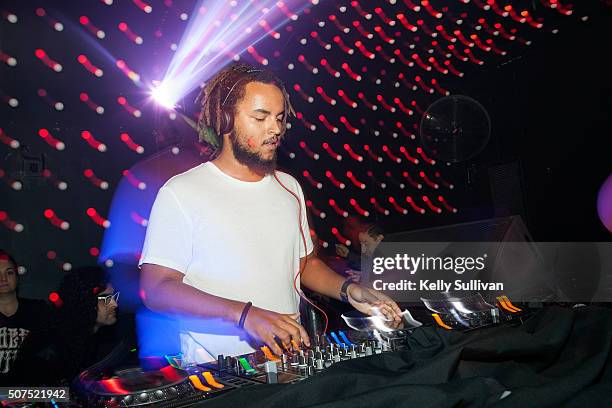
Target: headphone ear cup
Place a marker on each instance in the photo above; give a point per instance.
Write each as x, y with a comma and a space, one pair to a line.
227, 122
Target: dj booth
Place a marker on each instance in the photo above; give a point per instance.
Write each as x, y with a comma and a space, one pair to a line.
550, 356
559, 357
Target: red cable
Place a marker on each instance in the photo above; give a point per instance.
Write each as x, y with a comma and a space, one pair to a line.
305, 257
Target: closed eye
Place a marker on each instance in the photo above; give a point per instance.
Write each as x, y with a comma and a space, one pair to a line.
280, 119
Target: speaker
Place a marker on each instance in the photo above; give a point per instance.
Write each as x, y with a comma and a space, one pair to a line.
507, 189
508, 229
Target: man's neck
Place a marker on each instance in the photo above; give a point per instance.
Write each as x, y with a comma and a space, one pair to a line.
8, 303
227, 163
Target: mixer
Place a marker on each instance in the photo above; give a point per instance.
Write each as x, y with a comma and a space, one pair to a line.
176, 385
298, 363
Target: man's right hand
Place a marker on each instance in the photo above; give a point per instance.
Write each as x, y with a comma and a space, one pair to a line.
264, 325
342, 250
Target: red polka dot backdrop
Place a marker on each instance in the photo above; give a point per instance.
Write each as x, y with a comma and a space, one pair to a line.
76, 85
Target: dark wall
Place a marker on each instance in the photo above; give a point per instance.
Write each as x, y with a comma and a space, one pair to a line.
550, 110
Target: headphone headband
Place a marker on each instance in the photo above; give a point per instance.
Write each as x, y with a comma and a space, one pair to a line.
250, 71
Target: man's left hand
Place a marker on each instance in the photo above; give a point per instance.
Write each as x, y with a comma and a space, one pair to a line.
353, 274
373, 302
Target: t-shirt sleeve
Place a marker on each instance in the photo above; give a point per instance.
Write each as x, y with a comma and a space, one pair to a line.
305, 227
168, 241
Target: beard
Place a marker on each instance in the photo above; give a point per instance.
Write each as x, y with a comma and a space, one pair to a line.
252, 160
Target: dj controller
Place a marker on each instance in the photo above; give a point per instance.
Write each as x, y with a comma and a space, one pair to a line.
181, 386
175, 386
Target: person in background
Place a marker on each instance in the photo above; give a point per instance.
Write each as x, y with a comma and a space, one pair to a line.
369, 239
79, 335
19, 317
87, 309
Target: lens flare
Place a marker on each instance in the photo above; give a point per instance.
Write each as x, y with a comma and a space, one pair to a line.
217, 33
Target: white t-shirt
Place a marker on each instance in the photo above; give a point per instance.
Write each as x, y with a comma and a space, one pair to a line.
230, 238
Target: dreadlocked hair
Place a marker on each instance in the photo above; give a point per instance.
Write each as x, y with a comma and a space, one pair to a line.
233, 80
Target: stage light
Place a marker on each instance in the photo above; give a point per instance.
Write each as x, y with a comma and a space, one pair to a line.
206, 45
57, 183
97, 218
91, 176
133, 180
9, 141
308, 151
163, 96
51, 141
315, 210
10, 224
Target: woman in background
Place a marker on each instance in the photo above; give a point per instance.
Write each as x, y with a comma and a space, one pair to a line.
20, 318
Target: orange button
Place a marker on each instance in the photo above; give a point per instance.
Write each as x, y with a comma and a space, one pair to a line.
195, 380
269, 354
440, 322
211, 380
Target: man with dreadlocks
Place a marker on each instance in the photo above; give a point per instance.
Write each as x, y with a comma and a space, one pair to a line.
228, 243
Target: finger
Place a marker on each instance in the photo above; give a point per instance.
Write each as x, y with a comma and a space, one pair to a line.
288, 326
391, 315
391, 311
300, 332
382, 298
282, 333
273, 345
376, 310
278, 349
385, 310
390, 301
392, 307
396, 309
355, 292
